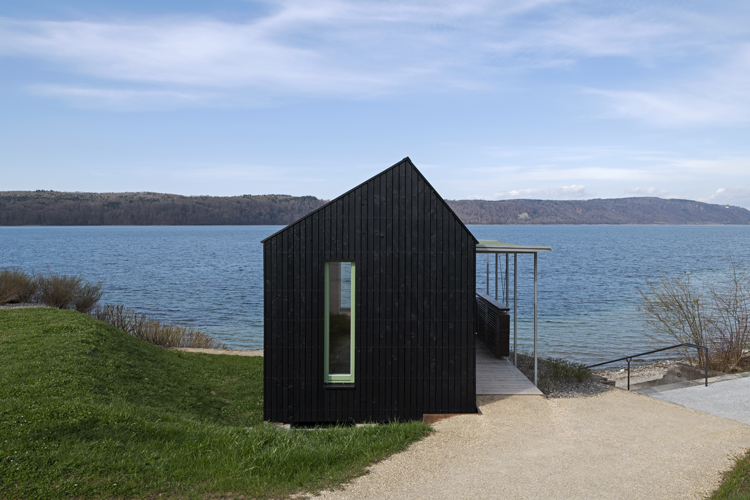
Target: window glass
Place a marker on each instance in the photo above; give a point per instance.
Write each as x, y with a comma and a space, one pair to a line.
339, 321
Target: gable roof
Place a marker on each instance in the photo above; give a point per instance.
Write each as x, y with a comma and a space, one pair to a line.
406, 160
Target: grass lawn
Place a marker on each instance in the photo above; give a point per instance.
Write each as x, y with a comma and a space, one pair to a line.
87, 411
736, 483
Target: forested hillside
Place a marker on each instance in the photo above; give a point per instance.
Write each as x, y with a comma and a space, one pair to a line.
52, 208
600, 211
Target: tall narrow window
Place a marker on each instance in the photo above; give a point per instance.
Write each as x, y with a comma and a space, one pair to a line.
339, 322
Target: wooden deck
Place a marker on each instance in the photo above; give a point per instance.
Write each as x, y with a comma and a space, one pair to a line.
498, 376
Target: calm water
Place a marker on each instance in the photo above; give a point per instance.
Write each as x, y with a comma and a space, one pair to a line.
211, 276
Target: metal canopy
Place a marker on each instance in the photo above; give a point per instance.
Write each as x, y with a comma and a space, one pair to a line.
491, 246
497, 247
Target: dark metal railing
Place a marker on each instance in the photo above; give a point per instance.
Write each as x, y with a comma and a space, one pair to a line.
493, 324
629, 358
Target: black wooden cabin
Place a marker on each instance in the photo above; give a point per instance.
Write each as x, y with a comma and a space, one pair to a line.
369, 307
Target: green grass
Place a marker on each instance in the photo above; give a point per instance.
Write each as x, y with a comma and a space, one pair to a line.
87, 411
736, 482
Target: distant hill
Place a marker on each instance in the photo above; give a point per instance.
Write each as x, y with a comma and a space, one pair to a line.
53, 208
600, 211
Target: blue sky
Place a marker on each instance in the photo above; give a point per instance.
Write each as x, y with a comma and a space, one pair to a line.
492, 100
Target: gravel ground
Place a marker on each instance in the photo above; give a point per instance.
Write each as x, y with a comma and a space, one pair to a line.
656, 369
25, 305
616, 445
580, 389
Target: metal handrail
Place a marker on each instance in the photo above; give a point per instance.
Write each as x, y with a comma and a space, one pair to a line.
628, 358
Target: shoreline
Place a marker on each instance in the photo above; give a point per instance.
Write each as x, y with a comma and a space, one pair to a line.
230, 352
652, 369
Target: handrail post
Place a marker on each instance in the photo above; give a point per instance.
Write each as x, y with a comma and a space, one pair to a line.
629, 373
705, 359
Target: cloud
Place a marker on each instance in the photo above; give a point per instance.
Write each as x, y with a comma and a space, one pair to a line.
731, 195
567, 38
572, 192
652, 191
120, 99
605, 171
316, 47
671, 165
335, 48
202, 53
555, 172
717, 97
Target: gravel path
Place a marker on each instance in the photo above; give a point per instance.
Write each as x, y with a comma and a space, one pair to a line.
616, 445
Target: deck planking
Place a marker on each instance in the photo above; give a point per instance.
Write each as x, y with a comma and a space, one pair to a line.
498, 376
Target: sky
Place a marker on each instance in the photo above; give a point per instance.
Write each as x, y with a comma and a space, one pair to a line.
542, 99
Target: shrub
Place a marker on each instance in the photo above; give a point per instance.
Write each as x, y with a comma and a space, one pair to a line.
56, 290
142, 327
729, 322
87, 297
553, 374
67, 292
566, 371
16, 286
675, 308
713, 314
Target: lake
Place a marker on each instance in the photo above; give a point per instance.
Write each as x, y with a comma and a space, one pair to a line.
211, 276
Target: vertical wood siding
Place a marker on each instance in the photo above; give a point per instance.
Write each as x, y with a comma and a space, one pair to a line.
414, 322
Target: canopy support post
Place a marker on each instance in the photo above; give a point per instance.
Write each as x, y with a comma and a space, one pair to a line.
488, 274
536, 381
507, 279
515, 308
495, 276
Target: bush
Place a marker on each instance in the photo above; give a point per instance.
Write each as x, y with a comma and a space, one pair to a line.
67, 292
712, 314
87, 297
16, 286
553, 374
142, 327
56, 290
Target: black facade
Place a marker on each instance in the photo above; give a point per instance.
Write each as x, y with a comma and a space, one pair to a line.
415, 292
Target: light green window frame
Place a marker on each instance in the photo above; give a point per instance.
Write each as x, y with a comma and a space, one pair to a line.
339, 357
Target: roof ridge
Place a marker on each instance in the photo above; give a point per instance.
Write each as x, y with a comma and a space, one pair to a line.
361, 184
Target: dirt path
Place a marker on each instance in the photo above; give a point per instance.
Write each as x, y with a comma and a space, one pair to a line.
616, 445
